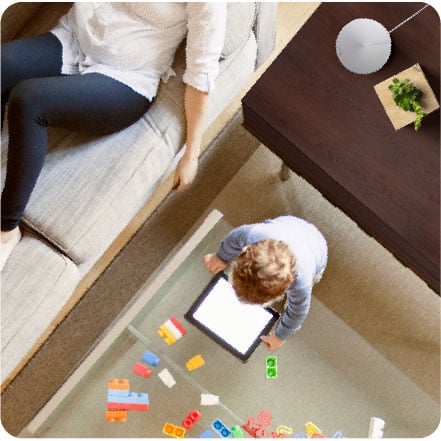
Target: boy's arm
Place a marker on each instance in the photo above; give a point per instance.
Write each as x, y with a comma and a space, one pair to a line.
299, 301
231, 245
292, 319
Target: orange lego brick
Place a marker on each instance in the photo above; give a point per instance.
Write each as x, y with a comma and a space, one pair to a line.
119, 384
116, 415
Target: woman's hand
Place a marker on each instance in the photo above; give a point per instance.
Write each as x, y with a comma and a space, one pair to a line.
213, 263
272, 342
185, 172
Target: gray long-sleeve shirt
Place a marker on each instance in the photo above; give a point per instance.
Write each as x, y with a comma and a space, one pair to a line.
307, 245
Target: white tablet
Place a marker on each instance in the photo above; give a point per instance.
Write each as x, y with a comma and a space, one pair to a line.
235, 326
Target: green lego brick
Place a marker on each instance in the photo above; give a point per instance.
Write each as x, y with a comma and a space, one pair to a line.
271, 361
271, 372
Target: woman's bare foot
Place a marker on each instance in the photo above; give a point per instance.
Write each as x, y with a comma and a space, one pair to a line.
9, 239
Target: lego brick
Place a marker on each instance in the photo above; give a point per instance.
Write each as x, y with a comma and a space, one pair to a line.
167, 378
118, 393
271, 361
207, 434
311, 429
132, 398
284, 429
142, 370
116, 415
264, 418
271, 367
119, 384
172, 430
236, 432
191, 419
150, 358
300, 435
178, 325
221, 428
127, 406
195, 363
337, 434
167, 335
209, 400
271, 373
376, 427
171, 330
134, 401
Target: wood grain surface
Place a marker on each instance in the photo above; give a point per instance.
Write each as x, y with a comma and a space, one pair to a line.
329, 126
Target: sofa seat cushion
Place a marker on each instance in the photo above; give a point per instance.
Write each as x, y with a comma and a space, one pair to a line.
90, 189
32, 298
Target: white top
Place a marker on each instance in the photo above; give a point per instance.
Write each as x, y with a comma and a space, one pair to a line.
135, 42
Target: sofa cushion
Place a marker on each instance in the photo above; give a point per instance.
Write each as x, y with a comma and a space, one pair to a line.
240, 19
32, 297
90, 189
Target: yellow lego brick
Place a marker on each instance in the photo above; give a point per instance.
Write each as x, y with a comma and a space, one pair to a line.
311, 429
286, 430
172, 430
167, 335
194, 363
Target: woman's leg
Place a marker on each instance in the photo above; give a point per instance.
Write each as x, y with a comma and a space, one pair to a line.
92, 103
34, 57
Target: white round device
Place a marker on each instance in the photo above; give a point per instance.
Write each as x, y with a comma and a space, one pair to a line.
363, 46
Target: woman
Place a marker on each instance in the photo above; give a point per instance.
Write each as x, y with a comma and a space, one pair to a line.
98, 71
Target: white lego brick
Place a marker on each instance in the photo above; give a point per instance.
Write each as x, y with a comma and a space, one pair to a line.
167, 377
209, 400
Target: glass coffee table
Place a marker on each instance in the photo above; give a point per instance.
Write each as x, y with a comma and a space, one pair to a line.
327, 374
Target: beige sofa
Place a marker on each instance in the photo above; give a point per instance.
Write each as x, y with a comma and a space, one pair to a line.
93, 194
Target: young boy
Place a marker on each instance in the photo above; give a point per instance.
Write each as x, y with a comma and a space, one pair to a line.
285, 255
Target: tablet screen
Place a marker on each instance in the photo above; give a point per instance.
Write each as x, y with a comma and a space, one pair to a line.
234, 325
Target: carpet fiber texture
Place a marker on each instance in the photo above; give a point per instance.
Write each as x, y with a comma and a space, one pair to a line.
367, 299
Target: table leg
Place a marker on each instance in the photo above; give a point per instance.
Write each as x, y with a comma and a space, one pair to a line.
285, 172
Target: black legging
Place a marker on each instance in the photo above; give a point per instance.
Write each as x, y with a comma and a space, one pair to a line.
38, 96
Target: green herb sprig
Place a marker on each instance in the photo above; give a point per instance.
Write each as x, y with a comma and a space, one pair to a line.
408, 97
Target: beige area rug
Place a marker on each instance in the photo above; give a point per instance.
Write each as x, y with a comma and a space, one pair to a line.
369, 347
364, 285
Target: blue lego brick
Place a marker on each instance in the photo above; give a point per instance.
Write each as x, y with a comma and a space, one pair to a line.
118, 392
300, 435
150, 358
221, 428
337, 435
207, 434
132, 398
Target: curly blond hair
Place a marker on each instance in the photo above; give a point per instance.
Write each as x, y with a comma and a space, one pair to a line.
263, 271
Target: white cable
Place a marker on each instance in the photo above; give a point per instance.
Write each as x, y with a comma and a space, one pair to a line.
408, 18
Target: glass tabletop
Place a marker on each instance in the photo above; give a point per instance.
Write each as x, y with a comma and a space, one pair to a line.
327, 375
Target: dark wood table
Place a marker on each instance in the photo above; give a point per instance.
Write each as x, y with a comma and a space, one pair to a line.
328, 125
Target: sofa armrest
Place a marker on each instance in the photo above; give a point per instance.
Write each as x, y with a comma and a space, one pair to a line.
265, 30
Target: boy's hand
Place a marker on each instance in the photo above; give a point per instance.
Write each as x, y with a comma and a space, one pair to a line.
213, 263
272, 342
